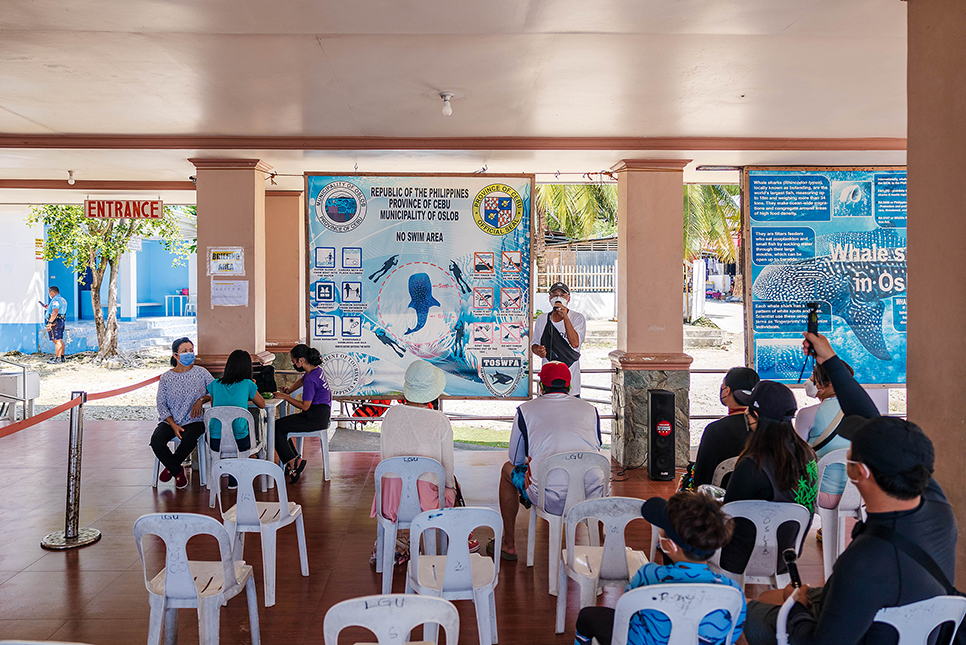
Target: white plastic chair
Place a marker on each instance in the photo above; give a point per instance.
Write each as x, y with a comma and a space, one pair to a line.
191, 307
391, 617
226, 414
264, 518
459, 575
833, 519
202, 466
576, 464
685, 605
409, 469
593, 567
914, 622
185, 583
762, 567
323, 435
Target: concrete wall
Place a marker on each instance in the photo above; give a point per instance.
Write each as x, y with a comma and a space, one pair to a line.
21, 281
157, 277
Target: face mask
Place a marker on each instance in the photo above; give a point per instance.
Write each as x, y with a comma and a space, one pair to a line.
558, 301
186, 359
298, 368
811, 390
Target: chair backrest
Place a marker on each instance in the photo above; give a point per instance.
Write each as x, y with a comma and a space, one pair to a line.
851, 497
226, 414
176, 529
245, 471
767, 517
456, 523
615, 513
722, 469
684, 607
576, 464
915, 621
409, 470
391, 617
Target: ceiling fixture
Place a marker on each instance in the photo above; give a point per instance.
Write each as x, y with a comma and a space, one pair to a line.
70, 177
718, 168
447, 108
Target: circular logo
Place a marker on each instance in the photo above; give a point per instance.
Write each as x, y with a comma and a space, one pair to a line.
340, 206
664, 428
497, 209
341, 372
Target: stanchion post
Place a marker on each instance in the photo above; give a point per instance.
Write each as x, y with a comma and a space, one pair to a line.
73, 536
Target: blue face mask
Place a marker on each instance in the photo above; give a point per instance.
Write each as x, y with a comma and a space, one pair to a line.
186, 359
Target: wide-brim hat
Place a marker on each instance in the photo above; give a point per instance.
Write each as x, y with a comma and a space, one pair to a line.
424, 382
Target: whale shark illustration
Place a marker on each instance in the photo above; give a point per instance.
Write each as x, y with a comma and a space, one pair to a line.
500, 378
778, 361
852, 288
421, 294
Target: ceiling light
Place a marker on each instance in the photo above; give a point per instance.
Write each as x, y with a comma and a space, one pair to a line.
447, 108
70, 177
718, 168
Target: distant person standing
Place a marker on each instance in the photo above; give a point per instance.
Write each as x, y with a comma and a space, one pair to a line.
561, 340
56, 310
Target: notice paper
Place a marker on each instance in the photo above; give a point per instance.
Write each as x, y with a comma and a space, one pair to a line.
229, 293
226, 260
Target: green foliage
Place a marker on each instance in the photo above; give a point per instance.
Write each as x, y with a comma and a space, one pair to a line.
580, 211
712, 221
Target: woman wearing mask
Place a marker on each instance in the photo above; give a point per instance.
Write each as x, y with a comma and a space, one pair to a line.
179, 411
315, 408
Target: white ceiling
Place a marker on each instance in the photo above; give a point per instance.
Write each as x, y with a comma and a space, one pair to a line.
374, 68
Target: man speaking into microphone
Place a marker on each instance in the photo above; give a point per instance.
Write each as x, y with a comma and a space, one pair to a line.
561, 339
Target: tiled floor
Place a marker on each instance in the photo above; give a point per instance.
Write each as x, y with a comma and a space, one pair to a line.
96, 594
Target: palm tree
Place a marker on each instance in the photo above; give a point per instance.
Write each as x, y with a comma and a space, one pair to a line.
712, 221
576, 209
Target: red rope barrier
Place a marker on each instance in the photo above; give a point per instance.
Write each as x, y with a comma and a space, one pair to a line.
43, 416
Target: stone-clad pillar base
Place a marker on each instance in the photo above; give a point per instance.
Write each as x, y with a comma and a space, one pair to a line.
636, 374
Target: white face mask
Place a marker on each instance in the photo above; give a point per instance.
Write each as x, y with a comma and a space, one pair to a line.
558, 301
811, 390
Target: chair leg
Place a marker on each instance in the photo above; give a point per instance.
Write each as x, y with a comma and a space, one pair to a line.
157, 472
253, 611
170, 626
380, 538
556, 528
268, 564
829, 541
388, 556
158, 615
531, 536
655, 539
493, 630
303, 550
588, 592
324, 438
839, 537
481, 602
209, 616
561, 598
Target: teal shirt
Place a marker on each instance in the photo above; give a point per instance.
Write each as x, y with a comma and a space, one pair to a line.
236, 394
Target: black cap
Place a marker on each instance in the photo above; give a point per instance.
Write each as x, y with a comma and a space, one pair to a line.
654, 511
887, 444
769, 399
741, 378
559, 285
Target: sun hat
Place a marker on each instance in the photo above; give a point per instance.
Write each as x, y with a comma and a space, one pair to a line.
769, 399
555, 374
424, 382
559, 285
887, 444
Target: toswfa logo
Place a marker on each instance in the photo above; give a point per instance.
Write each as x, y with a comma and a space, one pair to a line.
501, 374
497, 209
340, 206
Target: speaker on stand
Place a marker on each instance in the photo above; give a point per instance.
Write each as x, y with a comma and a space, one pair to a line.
660, 447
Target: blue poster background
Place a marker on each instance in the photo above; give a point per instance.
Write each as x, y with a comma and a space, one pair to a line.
837, 238
420, 267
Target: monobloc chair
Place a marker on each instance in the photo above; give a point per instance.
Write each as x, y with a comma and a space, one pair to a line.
185, 583
610, 565
391, 617
683, 606
228, 448
833, 519
576, 464
322, 434
762, 567
458, 575
914, 622
264, 518
409, 469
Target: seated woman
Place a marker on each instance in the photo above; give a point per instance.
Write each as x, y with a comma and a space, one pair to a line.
235, 388
776, 466
415, 430
692, 527
179, 411
824, 438
315, 408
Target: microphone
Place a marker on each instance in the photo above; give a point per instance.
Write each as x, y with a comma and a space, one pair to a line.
791, 561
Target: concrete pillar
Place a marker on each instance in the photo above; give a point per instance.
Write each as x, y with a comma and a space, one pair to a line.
127, 285
285, 249
231, 212
936, 350
650, 337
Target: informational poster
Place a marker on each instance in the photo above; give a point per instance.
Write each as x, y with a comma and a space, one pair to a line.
835, 237
229, 293
226, 260
433, 267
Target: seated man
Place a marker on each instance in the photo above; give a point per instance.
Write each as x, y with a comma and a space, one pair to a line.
891, 463
549, 424
726, 437
692, 527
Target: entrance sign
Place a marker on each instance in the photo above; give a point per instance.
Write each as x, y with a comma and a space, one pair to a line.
123, 209
836, 237
407, 267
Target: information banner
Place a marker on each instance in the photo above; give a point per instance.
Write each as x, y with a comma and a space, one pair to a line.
837, 237
434, 267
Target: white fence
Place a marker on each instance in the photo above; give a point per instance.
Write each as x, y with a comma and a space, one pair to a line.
591, 278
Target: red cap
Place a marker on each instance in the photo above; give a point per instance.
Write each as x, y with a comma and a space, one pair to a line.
555, 374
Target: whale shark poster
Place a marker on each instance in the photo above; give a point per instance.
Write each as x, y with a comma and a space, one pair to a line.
407, 267
835, 236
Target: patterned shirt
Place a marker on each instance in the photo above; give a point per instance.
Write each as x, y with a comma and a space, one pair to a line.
178, 392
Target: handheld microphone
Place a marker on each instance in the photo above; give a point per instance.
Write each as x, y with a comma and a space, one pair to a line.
791, 561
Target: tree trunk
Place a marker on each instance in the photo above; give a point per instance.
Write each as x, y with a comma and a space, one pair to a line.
98, 267
108, 346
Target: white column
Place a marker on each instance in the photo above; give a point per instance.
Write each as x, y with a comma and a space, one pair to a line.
127, 286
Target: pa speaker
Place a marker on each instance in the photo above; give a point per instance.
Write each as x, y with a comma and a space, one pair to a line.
660, 451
